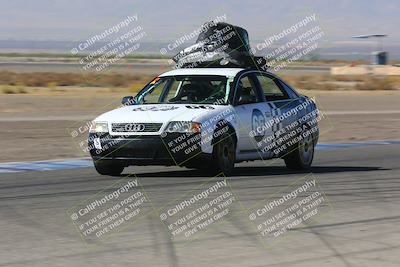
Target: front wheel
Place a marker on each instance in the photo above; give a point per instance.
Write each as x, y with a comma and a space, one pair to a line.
302, 156
108, 168
224, 154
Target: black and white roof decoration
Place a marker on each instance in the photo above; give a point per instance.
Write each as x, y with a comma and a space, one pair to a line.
220, 45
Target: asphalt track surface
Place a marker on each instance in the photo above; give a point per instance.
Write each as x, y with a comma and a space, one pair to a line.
362, 227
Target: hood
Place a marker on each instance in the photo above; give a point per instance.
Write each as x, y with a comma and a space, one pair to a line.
158, 113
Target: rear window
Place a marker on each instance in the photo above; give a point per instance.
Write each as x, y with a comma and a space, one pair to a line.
271, 88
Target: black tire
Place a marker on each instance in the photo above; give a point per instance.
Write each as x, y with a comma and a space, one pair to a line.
224, 154
108, 168
303, 154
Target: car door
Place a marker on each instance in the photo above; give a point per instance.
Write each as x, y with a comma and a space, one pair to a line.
253, 113
281, 102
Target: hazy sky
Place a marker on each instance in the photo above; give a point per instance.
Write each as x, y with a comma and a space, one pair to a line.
165, 20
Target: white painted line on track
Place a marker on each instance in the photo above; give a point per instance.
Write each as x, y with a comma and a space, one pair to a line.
83, 117
75, 163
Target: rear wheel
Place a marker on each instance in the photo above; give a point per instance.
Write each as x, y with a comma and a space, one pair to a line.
108, 168
224, 154
302, 156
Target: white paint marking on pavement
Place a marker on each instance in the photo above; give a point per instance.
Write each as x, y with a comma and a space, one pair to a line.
75, 163
84, 118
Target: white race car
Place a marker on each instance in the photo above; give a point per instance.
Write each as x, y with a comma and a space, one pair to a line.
208, 118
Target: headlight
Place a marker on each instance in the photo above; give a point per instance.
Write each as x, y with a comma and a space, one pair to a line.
99, 127
183, 127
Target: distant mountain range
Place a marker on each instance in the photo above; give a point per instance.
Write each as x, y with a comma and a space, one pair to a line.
347, 51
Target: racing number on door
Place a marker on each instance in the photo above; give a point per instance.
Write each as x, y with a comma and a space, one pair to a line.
258, 125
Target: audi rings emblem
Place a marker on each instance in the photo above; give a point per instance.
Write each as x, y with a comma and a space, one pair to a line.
134, 127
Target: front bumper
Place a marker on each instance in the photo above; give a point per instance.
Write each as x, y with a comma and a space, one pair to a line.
171, 149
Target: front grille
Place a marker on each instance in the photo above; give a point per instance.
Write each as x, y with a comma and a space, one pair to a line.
135, 127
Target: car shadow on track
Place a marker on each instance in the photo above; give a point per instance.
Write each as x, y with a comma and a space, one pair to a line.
259, 171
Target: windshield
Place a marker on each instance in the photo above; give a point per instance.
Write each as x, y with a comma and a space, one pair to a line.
210, 89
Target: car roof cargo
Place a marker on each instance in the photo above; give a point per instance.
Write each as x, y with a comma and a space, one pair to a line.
220, 45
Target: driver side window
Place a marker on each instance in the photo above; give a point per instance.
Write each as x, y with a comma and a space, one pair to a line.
246, 91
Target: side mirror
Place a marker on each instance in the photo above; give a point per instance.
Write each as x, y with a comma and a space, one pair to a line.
246, 99
128, 100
